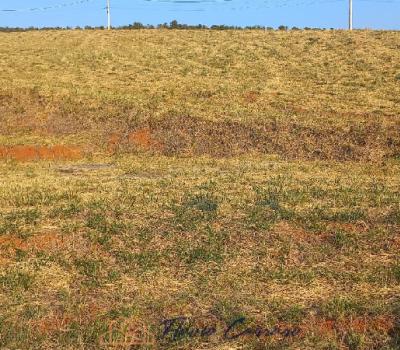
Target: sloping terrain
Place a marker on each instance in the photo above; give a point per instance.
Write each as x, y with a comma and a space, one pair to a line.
165, 189
308, 95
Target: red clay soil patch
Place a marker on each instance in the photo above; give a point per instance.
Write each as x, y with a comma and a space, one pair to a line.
52, 324
324, 327
141, 139
45, 241
29, 153
365, 324
12, 242
60, 320
113, 142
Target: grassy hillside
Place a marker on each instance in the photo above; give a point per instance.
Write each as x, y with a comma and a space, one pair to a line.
221, 176
318, 95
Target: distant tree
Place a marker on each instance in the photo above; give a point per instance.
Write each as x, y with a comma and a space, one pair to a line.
137, 25
174, 24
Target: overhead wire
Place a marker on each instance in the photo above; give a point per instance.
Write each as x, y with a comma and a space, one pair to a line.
233, 4
45, 8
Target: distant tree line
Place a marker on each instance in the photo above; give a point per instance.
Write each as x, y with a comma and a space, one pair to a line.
172, 25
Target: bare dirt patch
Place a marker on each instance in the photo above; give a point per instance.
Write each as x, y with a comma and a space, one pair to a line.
32, 153
144, 139
46, 241
380, 323
140, 139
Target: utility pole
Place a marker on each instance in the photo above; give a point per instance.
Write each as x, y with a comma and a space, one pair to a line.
350, 14
108, 15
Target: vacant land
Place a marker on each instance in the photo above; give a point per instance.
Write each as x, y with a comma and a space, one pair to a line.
214, 175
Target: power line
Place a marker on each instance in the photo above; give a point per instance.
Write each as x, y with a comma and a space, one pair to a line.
45, 8
178, 2
266, 5
246, 5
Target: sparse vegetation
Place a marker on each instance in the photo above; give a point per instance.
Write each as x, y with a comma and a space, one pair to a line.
216, 175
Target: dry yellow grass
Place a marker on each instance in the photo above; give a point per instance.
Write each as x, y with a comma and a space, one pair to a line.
307, 94
221, 175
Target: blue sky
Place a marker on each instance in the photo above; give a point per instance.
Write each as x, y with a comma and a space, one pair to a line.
374, 14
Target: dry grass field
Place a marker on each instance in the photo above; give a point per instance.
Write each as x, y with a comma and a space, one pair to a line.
245, 181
